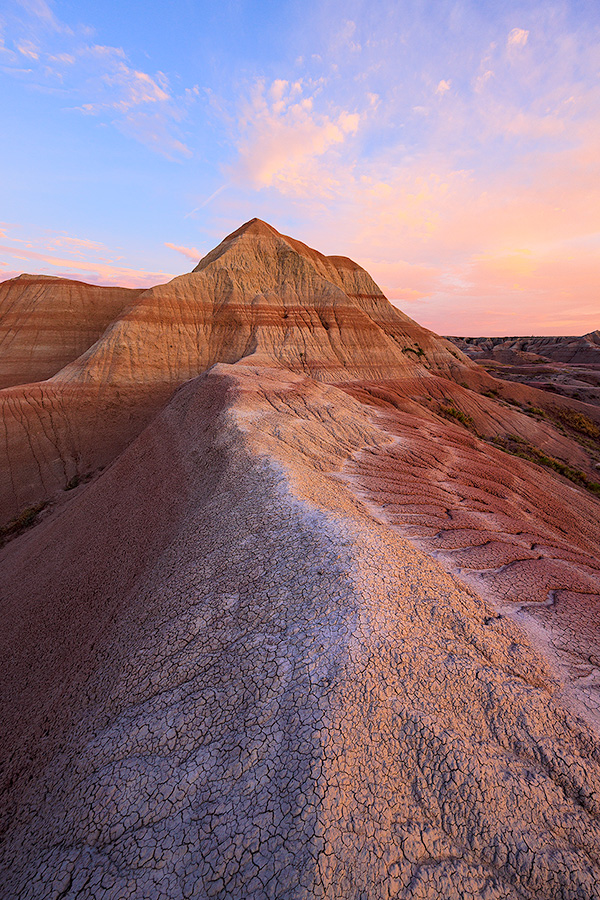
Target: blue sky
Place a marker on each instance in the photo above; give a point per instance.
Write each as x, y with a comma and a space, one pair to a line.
452, 148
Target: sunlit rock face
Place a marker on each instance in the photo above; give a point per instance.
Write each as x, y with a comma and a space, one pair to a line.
261, 297
268, 299
258, 296
310, 634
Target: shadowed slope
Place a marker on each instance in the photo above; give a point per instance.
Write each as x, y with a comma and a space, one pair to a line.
270, 693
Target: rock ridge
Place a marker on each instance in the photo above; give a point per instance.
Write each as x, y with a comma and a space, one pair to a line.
288, 699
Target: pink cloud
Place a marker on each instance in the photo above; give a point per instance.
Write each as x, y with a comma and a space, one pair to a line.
282, 138
403, 281
92, 271
75, 244
517, 37
190, 252
507, 252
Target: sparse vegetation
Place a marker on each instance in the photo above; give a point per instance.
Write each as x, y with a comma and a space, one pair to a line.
576, 421
19, 524
451, 412
418, 351
535, 411
492, 393
518, 446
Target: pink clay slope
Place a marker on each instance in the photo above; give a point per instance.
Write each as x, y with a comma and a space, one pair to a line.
236, 663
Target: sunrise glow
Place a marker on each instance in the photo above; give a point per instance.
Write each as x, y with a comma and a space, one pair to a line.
452, 149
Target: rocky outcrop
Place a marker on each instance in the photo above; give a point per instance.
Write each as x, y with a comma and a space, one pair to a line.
47, 322
573, 350
265, 298
299, 628
260, 297
565, 366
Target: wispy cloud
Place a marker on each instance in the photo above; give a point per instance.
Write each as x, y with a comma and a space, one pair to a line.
453, 204
206, 202
73, 257
453, 148
28, 49
282, 137
40, 11
190, 252
100, 80
76, 244
93, 271
517, 37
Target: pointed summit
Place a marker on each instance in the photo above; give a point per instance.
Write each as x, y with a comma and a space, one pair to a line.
253, 226
262, 241
259, 296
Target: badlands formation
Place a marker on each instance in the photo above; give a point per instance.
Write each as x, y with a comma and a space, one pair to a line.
308, 604
565, 365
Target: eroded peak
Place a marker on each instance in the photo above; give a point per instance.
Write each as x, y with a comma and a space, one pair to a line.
253, 226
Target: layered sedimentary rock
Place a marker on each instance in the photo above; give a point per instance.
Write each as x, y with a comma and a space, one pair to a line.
574, 350
567, 366
46, 322
261, 297
311, 634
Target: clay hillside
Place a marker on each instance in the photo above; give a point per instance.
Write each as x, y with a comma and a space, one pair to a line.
298, 600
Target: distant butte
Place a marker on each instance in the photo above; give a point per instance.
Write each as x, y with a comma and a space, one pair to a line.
298, 600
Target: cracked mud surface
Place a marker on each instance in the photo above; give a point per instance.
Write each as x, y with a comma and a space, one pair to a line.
530, 546
236, 663
284, 698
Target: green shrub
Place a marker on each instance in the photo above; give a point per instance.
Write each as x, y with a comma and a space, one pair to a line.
520, 447
577, 421
451, 412
20, 523
535, 411
418, 351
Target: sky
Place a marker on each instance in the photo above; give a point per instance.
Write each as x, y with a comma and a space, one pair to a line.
451, 147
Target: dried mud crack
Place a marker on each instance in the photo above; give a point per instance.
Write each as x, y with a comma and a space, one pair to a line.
237, 658
293, 701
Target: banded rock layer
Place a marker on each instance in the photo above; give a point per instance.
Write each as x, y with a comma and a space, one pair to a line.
261, 297
46, 322
567, 366
574, 350
237, 662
